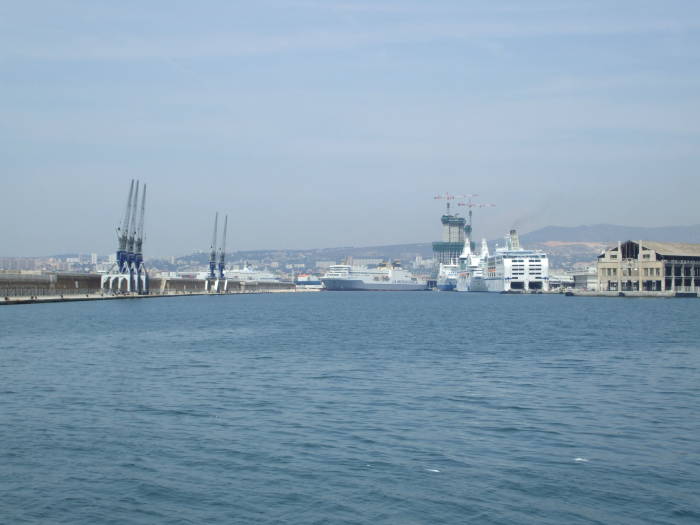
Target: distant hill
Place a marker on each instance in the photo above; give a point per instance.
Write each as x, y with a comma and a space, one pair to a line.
608, 233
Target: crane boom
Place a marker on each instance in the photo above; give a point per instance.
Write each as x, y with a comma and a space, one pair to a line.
132, 223
212, 255
139, 232
124, 229
222, 252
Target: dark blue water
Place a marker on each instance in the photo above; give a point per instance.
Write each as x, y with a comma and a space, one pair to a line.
351, 408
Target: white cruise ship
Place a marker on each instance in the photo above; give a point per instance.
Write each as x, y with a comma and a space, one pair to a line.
510, 269
386, 277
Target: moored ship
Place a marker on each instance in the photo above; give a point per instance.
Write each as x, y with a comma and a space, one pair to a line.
510, 269
386, 277
447, 277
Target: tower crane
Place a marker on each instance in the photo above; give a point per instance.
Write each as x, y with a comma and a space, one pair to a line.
471, 205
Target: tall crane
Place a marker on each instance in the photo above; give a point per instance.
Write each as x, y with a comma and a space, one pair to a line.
132, 227
141, 275
471, 205
212, 255
222, 251
447, 197
123, 233
138, 254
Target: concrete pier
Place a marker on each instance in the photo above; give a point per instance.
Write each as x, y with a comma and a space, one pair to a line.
30, 288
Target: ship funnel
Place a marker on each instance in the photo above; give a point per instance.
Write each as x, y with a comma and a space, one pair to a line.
514, 240
484, 248
467, 250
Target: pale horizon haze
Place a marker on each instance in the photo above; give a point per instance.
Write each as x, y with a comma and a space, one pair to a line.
334, 123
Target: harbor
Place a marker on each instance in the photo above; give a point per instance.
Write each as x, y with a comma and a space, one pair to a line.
626, 269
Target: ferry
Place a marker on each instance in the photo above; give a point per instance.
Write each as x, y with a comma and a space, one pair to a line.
447, 276
386, 277
511, 269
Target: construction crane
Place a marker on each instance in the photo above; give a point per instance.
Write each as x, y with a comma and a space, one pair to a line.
471, 205
448, 197
222, 252
123, 233
212, 255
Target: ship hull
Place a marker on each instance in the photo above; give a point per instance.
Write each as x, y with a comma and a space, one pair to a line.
499, 285
358, 285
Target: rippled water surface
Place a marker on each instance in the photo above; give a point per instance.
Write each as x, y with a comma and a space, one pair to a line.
351, 408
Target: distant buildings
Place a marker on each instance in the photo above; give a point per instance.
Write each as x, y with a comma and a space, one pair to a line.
650, 266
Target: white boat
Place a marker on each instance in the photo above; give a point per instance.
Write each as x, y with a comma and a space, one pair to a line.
386, 277
510, 269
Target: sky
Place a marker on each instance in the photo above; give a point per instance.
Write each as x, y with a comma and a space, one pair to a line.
335, 123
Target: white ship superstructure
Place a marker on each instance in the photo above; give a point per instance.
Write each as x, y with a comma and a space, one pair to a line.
470, 278
514, 269
447, 276
386, 277
510, 269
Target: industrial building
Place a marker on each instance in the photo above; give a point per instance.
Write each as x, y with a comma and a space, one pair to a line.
649, 266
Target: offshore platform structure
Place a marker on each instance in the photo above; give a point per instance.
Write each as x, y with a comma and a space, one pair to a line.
216, 281
455, 228
129, 274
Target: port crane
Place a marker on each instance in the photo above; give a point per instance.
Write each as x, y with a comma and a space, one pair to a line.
123, 234
212, 254
129, 273
222, 251
140, 269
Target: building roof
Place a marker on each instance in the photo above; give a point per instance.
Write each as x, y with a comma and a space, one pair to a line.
673, 248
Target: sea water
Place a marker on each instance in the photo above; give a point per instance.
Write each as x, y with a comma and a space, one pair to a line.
351, 408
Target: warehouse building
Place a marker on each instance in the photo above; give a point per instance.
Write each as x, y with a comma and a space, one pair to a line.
649, 266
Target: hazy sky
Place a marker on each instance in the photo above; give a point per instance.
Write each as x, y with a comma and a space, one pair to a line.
332, 123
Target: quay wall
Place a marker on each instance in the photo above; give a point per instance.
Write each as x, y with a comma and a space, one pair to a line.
27, 285
14, 285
